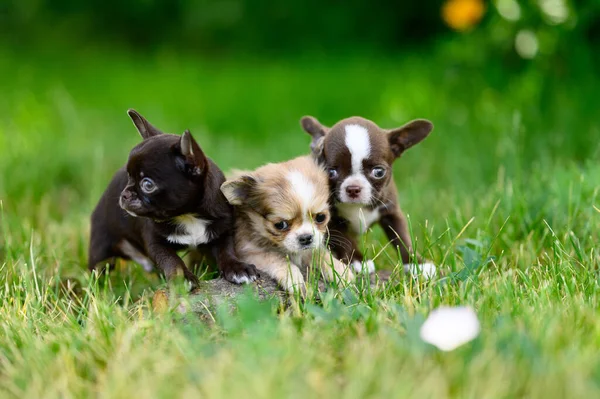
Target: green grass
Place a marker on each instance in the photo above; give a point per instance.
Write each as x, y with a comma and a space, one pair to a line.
504, 195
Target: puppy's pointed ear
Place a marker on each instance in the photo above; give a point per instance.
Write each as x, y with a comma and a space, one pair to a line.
195, 160
318, 131
402, 138
316, 148
144, 127
239, 190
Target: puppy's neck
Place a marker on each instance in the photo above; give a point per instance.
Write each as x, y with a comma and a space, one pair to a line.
359, 217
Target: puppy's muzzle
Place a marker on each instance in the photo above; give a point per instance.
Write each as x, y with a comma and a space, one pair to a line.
126, 199
305, 240
129, 202
126, 196
353, 191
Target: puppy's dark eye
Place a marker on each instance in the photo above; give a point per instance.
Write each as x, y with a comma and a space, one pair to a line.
333, 174
320, 217
147, 185
283, 225
378, 172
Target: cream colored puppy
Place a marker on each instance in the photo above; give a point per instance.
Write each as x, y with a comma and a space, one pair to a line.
281, 221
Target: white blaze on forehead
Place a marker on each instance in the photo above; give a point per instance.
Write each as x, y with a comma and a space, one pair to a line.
304, 188
357, 141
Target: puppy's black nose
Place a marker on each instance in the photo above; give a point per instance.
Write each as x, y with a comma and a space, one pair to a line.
305, 239
353, 191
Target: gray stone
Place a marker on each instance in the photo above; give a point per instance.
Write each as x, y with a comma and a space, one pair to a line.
214, 293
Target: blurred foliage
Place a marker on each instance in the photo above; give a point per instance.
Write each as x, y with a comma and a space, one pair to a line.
532, 26
219, 25
557, 37
543, 28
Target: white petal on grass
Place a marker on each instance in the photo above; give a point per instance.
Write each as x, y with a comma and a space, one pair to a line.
428, 270
450, 327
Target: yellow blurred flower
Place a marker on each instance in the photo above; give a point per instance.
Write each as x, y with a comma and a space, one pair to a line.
462, 14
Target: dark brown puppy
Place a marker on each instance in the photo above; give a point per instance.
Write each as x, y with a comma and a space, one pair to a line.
358, 156
166, 199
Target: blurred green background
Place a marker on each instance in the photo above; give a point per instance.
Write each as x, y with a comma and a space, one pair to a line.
267, 27
512, 88
504, 195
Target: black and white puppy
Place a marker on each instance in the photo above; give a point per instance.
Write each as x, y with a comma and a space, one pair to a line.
167, 198
358, 156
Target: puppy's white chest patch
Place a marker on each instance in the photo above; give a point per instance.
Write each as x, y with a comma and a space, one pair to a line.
360, 218
191, 231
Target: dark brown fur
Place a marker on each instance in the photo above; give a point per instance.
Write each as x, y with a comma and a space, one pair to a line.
188, 186
329, 148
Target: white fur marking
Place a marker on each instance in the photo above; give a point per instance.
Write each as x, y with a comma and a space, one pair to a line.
136, 255
193, 231
356, 180
292, 244
360, 218
242, 279
304, 188
368, 268
427, 270
357, 141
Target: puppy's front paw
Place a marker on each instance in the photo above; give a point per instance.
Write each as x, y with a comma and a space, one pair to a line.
367, 267
294, 282
428, 270
190, 280
240, 273
343, 271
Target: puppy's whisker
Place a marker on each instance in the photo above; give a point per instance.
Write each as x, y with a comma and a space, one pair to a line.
345, 246
340, 241
374, 201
